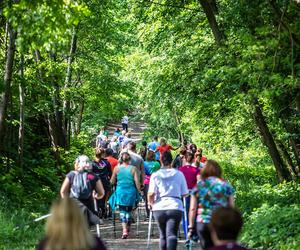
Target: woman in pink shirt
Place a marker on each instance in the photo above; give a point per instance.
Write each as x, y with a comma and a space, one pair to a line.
192, 175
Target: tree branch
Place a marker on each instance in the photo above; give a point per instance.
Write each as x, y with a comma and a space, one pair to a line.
171, 6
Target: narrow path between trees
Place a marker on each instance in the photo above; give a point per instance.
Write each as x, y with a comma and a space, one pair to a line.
135, 127
138, 236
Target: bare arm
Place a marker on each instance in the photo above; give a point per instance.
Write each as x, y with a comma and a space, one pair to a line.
99, 189
137, 180
65, 188
150, 199
231, 201
142, 171
172, 148
114, 175
192, 212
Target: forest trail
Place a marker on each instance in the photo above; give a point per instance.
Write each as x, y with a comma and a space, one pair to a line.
135, 127
137, 237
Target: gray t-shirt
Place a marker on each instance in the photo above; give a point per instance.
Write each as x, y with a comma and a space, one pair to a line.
136, 160
168, 185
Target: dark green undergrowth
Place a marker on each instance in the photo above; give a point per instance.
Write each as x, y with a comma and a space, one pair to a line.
27, 195
18, 231
271, 211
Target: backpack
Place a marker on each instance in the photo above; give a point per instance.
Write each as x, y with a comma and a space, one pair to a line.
81, 186
102, 171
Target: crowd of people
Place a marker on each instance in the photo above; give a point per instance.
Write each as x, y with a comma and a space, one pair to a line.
188, 189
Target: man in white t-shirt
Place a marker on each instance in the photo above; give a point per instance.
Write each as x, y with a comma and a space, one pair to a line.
125, 123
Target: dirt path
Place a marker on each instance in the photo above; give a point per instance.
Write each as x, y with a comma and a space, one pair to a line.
139, 231
135, 127
137, 237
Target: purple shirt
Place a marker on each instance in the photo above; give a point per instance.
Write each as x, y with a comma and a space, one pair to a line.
228, 246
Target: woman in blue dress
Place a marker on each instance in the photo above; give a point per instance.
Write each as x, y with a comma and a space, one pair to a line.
127, 190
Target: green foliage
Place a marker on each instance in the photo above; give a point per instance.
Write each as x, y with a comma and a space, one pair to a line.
273, 227
159, 60
17, 230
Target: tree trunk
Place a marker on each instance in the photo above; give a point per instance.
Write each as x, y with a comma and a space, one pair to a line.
51, 122
296, 150
53, 139
286, 158
292, 129
22, 109
57, 105
67, 85
4, 96
285, 23
81, 108
209, 12
178, 122
268, 140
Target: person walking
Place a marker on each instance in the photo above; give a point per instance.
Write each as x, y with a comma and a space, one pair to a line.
66, 229
153, 146
143, 150
211, 193
126, 177
79, 185
192, 175
102, 168
136, 160
179, 160
112, 158
164, 147
121, 139
167, 187
150, 166
125, 123
114, 146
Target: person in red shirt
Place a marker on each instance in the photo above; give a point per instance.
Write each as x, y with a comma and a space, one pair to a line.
109, 157
200, 159
164, 147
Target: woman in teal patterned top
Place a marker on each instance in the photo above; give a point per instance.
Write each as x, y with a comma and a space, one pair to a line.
127, 190
210, 193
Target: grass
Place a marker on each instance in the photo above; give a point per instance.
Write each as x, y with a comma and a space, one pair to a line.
16, 233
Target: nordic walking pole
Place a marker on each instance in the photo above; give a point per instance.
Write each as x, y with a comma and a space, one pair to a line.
114, 212
137, 220
188, 242
97, 225
149, 229
42, 217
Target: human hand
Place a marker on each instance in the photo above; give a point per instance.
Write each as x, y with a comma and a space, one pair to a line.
190, 234
96, 196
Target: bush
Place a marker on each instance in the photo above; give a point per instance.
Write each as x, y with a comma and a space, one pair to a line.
273, 227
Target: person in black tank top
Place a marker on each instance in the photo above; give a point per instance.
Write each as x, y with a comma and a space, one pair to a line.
102, 169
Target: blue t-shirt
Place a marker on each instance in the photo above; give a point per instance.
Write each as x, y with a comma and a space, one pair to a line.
153, 145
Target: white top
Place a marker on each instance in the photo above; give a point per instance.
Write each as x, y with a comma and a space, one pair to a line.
125, 119
168, 185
